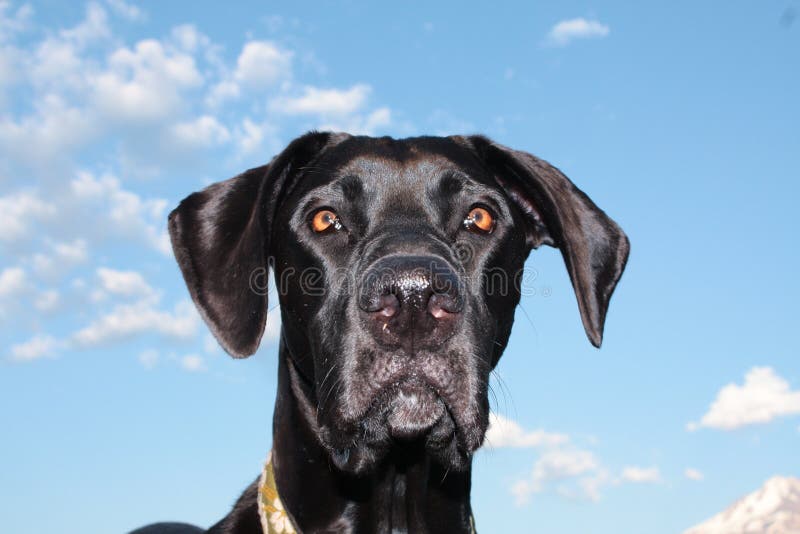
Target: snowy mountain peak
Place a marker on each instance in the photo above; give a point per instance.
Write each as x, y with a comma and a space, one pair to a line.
772, 509
788, 487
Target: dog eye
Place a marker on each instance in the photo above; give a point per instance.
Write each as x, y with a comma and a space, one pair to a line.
324, 220
479, 220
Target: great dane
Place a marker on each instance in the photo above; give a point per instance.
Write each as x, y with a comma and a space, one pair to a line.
398, 267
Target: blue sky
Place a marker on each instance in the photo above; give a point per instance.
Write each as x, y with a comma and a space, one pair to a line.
680, 120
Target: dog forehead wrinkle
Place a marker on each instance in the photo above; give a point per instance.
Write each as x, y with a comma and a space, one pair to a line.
415, 188
351, 187
450, 184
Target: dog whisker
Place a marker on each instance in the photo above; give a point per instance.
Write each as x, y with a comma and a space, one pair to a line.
322, 384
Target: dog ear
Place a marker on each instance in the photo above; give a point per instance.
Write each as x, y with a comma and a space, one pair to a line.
220, 237
595, 249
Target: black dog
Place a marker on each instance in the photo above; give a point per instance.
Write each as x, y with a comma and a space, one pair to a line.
398, 265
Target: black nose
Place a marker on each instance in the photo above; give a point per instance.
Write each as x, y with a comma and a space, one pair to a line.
411, 301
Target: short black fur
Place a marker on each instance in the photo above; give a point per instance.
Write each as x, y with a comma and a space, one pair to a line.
392, 321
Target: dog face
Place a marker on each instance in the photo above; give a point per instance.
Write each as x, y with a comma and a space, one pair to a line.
398, 265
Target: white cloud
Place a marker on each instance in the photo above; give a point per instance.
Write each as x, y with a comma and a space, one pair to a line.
124, 283
193, 363
13, 23
521, 490
335, 109
73, 252
91, 209
323, 101
9, 59
13, 280
62, 256
262, 64
588, 487
131, 97
693, 474
144, 84
202, 132
252, 138
129, 320
128, 214
126, 10
572, 473
360, 124
94, 27
130, 107
763, 397
55, 63
504, 432
55, 129
579, 28
189, 38
558, 464
148, 358
47, 300
34, 349
222, 91
17, 212
641, 475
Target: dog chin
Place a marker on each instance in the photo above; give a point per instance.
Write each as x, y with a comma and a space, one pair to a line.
409, 417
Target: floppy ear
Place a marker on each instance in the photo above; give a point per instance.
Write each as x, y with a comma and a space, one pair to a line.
559, 214
220, 237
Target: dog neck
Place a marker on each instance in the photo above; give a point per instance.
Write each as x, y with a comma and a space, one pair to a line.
409, 492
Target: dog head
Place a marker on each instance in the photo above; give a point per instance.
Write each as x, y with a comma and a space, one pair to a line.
397, 264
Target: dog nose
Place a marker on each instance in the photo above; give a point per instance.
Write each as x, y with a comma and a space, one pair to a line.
411, 301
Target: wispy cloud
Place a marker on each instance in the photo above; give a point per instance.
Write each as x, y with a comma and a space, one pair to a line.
12, 281
124, 283
693, 474
504, 432
324, 101
47, 300
205, 131
262, 64
764, 397
152, 105
127, 320
561, 467
60, 257
42, 346
566, 31
193, 363
18, 212
571, 472
126, 10
149, 358
641, 475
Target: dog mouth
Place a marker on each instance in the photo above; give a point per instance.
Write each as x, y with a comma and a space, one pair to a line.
409, 414
409, 410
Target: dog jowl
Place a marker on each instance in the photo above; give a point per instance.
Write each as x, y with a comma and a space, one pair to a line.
397, 265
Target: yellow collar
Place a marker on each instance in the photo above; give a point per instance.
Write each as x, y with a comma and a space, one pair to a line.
274, 519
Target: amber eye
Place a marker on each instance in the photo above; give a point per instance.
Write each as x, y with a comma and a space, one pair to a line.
480, 220
325, 219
